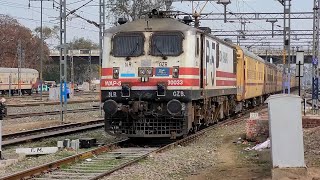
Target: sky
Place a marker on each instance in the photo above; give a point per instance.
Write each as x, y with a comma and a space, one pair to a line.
76, 28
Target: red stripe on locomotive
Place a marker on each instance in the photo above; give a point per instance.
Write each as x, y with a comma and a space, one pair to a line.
226, 83
225, 74
182, 71
151, 82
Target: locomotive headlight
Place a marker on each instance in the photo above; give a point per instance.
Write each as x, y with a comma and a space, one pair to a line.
149, 72
142, 71
145, 72
116, 73
175, 72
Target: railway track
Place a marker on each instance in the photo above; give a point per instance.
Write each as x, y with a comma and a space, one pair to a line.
107, 159
16, 116
45, 94
49, 103
32, 135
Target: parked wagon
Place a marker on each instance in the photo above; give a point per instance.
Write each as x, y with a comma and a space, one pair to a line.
10, 82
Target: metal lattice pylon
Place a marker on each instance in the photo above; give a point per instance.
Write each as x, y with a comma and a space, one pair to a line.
63, 58
315, 57
286, 35
102, 19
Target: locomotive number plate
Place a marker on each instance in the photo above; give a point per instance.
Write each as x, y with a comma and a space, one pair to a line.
175, 82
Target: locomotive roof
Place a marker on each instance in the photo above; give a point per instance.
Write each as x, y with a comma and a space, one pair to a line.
15, 70
157, 24
169, 24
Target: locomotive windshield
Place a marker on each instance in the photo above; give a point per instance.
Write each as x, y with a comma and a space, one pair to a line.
166, 44
128, 44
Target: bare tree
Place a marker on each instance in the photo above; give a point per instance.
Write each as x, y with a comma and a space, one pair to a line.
132, 9
11, 32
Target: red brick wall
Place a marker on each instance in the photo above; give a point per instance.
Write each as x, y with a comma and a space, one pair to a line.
310, 121
257, 128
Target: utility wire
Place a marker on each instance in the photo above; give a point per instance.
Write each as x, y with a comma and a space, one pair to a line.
73, 13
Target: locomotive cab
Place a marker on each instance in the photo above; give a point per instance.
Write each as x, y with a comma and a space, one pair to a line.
148, 77
164, 78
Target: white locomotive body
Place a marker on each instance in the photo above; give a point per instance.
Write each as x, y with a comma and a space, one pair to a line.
158, 72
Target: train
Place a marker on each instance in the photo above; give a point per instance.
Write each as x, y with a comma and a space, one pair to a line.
163, 78
9, 80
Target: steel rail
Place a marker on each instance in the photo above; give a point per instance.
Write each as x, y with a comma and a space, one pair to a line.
16, 116
31, 135
48, 103
56, 164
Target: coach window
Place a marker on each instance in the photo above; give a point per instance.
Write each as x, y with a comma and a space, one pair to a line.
128, 45
166, 44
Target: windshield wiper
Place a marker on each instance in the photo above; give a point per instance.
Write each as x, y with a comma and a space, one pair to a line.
162, 55
133, 51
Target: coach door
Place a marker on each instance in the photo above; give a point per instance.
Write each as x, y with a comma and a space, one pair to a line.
210, 62
202, 70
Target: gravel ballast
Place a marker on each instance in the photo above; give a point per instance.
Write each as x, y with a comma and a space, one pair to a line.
181, 161
48, 108
33, 161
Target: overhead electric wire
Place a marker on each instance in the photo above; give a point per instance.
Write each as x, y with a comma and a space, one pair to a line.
75, 14
221, 12
75, 2
73, 11
22, 6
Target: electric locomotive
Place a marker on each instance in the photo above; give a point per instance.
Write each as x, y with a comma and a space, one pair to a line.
164, 78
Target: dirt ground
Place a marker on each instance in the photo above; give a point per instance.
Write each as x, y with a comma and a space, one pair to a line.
234, 163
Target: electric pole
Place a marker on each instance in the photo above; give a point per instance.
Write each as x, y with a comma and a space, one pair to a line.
19, 52
102, 23
272, 21
315, 56
63, 59
89, 68
41, 45
72, 70
286, 48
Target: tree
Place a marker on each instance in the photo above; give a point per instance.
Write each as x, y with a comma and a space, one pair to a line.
48, 32
133, 9
81, 43
11, 32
